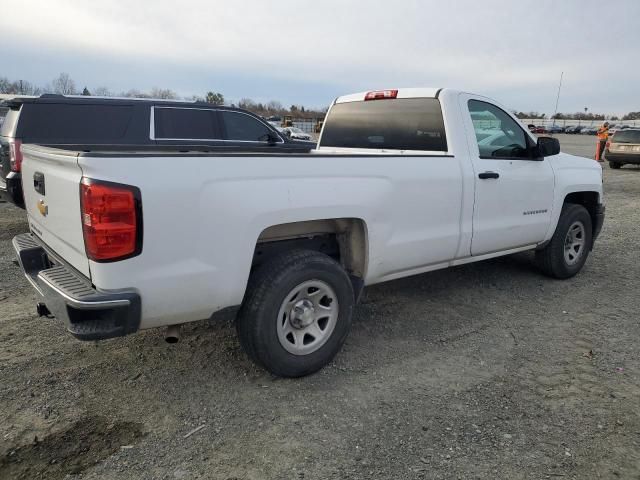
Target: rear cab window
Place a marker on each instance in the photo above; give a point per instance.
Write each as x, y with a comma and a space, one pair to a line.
626, 136
387, 124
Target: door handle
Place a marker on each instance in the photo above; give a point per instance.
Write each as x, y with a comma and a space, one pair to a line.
38, 182
485, 175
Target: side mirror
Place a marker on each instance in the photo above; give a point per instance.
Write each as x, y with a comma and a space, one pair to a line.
547, 146
269, 137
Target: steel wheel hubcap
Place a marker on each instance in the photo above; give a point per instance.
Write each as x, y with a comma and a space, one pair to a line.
574, 243
307, 317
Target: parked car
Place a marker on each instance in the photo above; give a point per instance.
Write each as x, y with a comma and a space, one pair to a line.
589, 131
540, 129
295, 133
555, 129
574, 129
68, 120
623, 148
126, 238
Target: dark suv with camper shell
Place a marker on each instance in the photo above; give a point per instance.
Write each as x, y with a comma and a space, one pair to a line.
57, 120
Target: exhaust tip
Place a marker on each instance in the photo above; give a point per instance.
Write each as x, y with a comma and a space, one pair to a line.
172, 335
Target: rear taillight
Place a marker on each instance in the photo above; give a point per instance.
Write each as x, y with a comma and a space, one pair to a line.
111, 220
15, 155
381, 94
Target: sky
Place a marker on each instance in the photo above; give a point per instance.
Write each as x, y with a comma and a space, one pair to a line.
309, 52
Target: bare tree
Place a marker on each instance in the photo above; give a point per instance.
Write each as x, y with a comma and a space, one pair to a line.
133, 93
163, 93
102, 92
19, 87
64, 85
247, 104
274, 106
5, 85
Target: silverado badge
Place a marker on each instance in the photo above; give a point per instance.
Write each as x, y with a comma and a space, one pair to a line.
43, 208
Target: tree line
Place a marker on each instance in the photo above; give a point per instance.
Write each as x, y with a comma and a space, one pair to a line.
63, 84
577, 116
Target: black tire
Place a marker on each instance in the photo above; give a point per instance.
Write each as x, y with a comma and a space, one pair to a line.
615, 165
257, 320
551, 259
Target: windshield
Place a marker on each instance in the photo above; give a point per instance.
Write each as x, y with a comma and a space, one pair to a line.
626, 136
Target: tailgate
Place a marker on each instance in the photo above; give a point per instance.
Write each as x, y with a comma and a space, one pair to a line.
51, 184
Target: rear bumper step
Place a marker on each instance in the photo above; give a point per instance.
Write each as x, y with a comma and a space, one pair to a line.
89, 313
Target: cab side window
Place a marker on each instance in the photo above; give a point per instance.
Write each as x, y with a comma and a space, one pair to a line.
173, 123
498, 135
245, 128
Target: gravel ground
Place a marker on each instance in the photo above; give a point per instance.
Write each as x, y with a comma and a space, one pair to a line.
484, 371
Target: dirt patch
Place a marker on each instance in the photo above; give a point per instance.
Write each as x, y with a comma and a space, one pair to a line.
69, 451
485, 371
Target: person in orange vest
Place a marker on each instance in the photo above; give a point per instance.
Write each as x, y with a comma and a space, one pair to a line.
603, 136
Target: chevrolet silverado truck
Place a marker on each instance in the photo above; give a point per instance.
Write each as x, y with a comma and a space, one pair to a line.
402, 182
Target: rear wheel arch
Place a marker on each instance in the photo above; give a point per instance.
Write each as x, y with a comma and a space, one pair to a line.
343, 239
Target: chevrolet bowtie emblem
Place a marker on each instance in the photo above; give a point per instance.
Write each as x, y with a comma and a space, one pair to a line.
43, 208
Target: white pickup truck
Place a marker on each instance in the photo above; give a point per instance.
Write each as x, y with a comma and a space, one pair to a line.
402, 182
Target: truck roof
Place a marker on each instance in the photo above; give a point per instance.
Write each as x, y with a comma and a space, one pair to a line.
419, 92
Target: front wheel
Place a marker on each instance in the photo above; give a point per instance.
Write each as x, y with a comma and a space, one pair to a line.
615, 165
296, 313
567, 252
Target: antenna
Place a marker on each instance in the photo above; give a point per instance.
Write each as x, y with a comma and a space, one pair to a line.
557, 98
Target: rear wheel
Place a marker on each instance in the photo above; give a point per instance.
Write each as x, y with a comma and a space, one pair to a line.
615, 165
296, 313
569, 247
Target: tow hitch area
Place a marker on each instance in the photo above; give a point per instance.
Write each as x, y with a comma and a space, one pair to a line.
43, 311
88, 313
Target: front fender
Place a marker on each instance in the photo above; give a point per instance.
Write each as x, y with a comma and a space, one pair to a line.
573, 175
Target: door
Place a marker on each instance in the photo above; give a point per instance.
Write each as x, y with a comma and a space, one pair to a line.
513, 189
